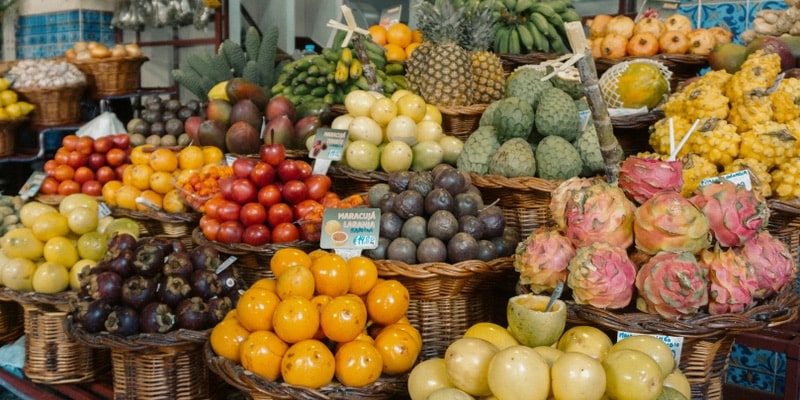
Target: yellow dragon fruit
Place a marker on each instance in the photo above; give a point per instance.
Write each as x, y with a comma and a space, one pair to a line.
672, 285
602, 275
559, 196
772, 263
732, 281
734, 213
669, 222
542, 258
641, 178
599, 213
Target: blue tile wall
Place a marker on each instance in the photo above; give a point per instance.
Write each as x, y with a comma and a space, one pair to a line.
49, 35
736, 15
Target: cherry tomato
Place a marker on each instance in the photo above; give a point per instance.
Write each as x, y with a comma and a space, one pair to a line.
269, 195
253, 214
285, 232
304, 207
230, 232
317, 186
209, 226
256, 235
229, 211
279, 213
85, 145
211, 207
49, 186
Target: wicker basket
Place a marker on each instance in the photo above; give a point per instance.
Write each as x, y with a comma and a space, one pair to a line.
446, 299
461, 121
513, 61
8, 135
633, 132
682, 66
157, 223
258, 388
347, 181
54, 106
784, 224
252, 262
111, 76
707, 338
11, 321
525, 201
153, 366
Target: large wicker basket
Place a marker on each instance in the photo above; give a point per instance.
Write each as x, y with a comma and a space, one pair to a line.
111, 76
446, 299
54, 106
11, 320
784, 224
513, 61
158, 223
346, 181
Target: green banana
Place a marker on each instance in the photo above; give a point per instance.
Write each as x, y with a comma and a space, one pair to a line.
347, 56
511, 5
545, 10
503, 36
522, 6
569, 15
394, 69
513, 42
540, 21
540, 42
331, 55
557, 6
525, 37
557, 44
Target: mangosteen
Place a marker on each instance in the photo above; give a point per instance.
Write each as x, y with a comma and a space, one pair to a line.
472, 225
177, 246
409, 203
149, 259
376, 192
462, 247
192, 313
415, 229
487, 251
105, 285
92, 315
390, 225
493, 220
421, 182
228, 281
138, 291
451, 180
431, 250
438, 199
178, 263
156, 318
398, 181
120, 241
205, 257
439, 168
205, 284
467, 203
218, 308
123, 321
122, 264
378, 253
443, 225
165, 244
172, 289
402, 249
386, 204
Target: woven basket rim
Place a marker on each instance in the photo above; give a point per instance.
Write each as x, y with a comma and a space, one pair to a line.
638, 121
249, 382
669, 58
142, 341
243, 248
343, 171
527, 183
779, 309
34, 298
472, 109
55, 199
37, 90
528, 58
91, 61
395, 268
789, 206
156, 215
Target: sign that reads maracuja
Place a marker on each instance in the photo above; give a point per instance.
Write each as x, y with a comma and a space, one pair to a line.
351, 228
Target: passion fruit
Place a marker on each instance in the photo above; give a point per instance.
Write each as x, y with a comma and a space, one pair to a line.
409, 203
493, 220
402, 249
462, 247
442, 224
472, 225
390, 225
378, 253
451, 180
487, 251
415, 229
398, 181
467, 203
376, 192
431, 249
421, 182
438, 199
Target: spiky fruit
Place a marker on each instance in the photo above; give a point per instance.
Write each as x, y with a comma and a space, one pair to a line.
731, 280
488, 78
695, 169
602, 275
672, 285
669, 222
734, 213
786, 180
717, 141
659, 135
759, 173
641, 178
750, 111
599, 213
562, 193
786, 100
697, 100
772, 263
542, 258
756, 75
771, 143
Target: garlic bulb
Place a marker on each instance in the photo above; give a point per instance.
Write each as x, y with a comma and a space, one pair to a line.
45, 74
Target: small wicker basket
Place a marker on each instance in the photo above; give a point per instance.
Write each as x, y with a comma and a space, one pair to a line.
54, 106
461, 121
513, 61
111, 76
784, 224
12, 321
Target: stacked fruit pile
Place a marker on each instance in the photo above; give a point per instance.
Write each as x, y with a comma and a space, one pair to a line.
527, 26
398, 39
284, 328
162, 122
10, 105
84, 165
582, 364
9, 210
154, 285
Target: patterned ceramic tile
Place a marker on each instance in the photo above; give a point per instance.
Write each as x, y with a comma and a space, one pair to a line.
736, 15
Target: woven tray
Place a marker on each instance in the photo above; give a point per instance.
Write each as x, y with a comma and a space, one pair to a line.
111, 76
34, 298
347, 181
54, 106
158, 223
525, 201
683, 66
461, 121
258, 388
633, 132
446, 299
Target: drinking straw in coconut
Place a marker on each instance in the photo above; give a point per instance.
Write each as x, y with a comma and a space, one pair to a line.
683, 140
671, 136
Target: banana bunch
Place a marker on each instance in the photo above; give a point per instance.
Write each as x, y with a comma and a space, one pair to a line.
334, 73
9, 213
527, 26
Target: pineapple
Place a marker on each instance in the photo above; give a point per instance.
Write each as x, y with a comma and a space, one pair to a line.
488, 78
439, 69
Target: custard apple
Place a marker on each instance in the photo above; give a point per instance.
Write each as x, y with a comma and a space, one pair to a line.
513, 159
557, 159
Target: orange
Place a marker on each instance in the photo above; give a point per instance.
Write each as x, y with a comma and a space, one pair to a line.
154, 201
190, 157
308, 363
173, 203
139, 156
212, 155
317, 253
358, 364
344, 318
416, 36
262, 353
399, 34
320, 301
398, 351
139, 176
295, 281
394, 53
265, 283
410, 49
109, 192
387, 302
378, 34
227, 337
363, 274
296, 318
287, 257
161, 182
331, 275
162, 159
126, 196
255, 309
408, 328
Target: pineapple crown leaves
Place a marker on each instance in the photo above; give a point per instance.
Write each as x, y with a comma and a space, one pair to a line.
463, 22
479, 29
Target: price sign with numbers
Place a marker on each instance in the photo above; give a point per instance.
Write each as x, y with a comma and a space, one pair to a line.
350, 228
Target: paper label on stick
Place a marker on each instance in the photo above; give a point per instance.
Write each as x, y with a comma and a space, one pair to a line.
741, 178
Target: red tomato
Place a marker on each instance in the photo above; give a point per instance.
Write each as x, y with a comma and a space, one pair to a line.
256, 235
68, 187
50, 167
49, 186
229, 211
92, 188
304, 207
285, 232
103, 145
230, 232
70, 142
121, 140
243, 191
330, 200
253, 214
269, 195
77, 159
105, 174
211, 206
85, 145
294, 191
279, 213
317, 186
83, 174
62, 155
262, 174
116, 157
96, 160
305, 169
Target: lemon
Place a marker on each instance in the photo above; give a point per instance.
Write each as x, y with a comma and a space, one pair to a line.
4, 83
3, 113
60, 250
8, 97
13, 111
25, 107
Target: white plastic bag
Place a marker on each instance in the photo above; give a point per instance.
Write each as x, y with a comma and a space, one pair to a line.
104, 124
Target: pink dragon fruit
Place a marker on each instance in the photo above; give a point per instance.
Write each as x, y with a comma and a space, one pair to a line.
772, 263
559, 197
599, 213
731, 281
669, 222
601, 275
672, 285
640, 178
542, 258
734, 213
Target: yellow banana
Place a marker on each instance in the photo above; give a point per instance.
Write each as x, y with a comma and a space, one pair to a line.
347, 56
218, 91
342, 72
355, 69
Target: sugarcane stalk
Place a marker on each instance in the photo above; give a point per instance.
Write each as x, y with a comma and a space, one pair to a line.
597, 104
367, 67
